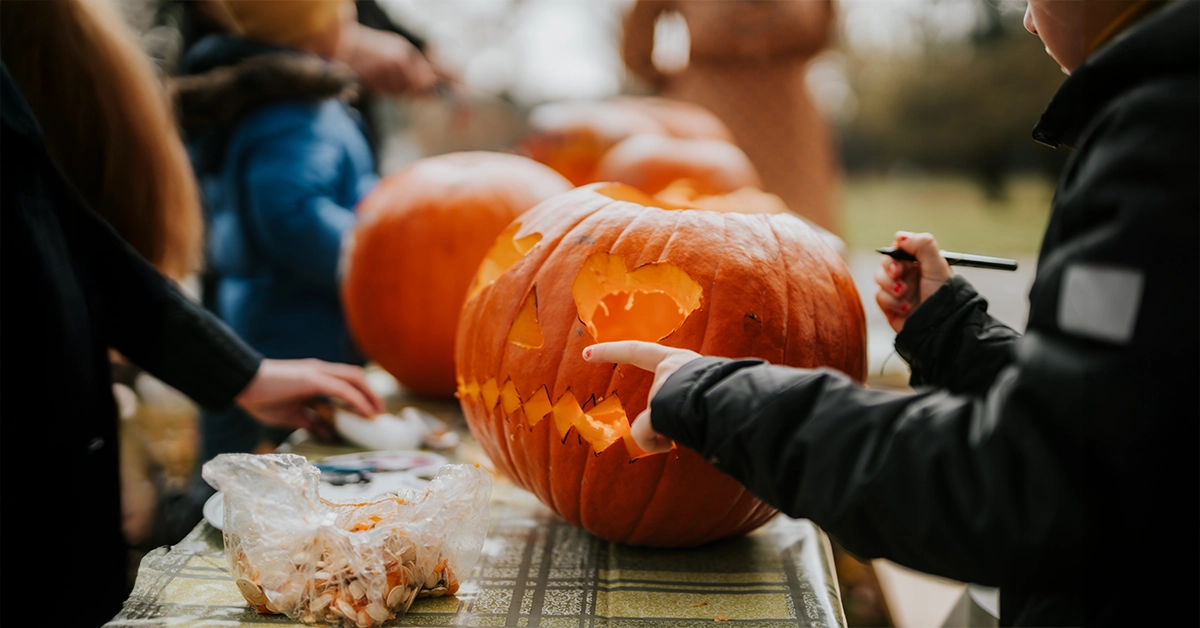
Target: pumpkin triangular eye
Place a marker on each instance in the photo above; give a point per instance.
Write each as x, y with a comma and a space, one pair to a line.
526, 332
505, 252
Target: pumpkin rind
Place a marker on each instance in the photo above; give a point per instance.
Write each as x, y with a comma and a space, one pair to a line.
769, 287
421, 235
653, 162
573, 136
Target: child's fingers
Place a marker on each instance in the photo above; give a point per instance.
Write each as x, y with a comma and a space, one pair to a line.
644, 355
896, 310
891, 267
353, 375
891, 285
645, 436
892, 305
925, 248
363, 402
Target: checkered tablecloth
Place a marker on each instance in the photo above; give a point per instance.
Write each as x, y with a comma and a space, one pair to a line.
537, 570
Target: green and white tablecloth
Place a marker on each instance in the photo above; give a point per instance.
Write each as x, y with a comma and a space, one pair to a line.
537, 570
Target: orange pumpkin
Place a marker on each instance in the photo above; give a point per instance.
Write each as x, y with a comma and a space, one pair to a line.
572, 136
653, 162
421, 235
677, 117
605, 262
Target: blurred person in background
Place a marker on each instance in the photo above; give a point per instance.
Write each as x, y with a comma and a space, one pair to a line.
282, 161
1060, 464
389, 59
747, 64
148, 194
72, 287
111, 151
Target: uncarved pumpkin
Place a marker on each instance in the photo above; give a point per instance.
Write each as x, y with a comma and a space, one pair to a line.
653, 162
572, 136
679, 118
421, 235
604, 262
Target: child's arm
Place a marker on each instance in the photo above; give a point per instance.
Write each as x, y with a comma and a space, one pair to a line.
980, 490
952, 342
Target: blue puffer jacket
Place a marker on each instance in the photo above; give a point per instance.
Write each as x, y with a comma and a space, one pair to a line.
282, 161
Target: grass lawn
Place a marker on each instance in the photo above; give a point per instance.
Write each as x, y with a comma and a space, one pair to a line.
952, 209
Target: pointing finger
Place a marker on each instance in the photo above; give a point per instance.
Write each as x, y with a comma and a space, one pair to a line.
644, 355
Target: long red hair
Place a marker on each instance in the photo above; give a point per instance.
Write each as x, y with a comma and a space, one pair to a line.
107, 123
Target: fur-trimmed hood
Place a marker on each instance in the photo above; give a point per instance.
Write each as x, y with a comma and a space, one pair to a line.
225, 78
217, 98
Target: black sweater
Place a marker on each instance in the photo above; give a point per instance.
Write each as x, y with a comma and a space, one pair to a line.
72, 288
1060, 465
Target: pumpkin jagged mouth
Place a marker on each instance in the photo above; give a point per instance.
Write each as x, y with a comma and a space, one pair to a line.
602, 425
648, 303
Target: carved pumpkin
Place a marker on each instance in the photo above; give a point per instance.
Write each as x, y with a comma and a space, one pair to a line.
652, 162
604, 262
421, 235
572, 136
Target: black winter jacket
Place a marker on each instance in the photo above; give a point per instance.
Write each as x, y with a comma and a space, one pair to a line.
1060, 465
73, 288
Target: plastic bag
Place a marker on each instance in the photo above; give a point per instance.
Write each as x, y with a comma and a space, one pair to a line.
292, 552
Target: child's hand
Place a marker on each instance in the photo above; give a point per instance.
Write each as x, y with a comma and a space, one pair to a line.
905, 285
386, 63
280, 391
662, 361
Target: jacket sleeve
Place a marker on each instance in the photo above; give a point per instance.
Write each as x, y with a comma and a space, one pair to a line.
149, 320
950, 341
291, 196
1070, 445
975, 489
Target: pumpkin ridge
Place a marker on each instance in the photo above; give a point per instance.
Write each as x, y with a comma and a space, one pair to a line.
510, 428
543, 491
658, 487
561, 363
853, 310
735, 505
716, 276
785, 270
718, 521
564, 510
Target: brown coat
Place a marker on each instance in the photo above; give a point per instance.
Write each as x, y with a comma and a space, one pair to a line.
747, 64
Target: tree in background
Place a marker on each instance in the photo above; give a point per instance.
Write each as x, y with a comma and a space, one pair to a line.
962, 107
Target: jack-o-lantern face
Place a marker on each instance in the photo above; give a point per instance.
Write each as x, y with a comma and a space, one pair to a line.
605, 262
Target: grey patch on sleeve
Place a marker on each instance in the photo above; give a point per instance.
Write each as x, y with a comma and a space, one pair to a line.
1100, 302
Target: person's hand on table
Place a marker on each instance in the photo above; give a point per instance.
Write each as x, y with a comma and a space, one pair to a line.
905, 285
281, 389
385, 62
660, 360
